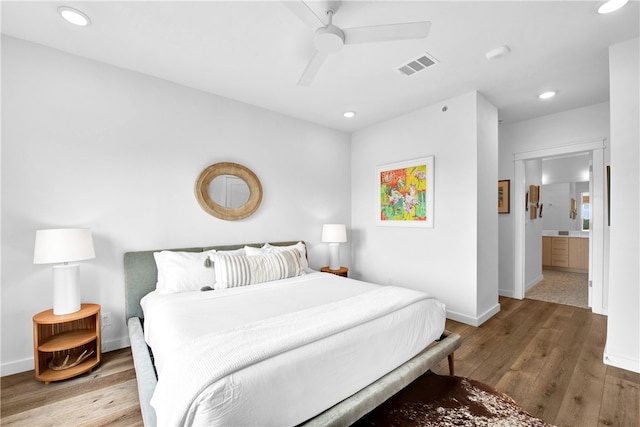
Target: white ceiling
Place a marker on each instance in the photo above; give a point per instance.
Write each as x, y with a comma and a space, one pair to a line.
255, 52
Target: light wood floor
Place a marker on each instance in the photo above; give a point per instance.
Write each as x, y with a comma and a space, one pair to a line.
548, 357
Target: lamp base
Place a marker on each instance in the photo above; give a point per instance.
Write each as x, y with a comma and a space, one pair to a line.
66, 289
334, 256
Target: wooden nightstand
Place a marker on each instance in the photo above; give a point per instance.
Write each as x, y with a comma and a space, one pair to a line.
342, 271
57, 336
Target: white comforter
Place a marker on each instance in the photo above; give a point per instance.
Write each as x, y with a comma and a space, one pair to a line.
280, 353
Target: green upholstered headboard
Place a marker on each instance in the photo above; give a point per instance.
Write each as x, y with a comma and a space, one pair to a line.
141, 274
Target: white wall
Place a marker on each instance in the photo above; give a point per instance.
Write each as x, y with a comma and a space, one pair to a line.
487, 207
569, 127
90, 145
566, 169
443, 260
532, 227
623, 327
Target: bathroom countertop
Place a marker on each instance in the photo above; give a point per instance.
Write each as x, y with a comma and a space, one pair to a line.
556, 233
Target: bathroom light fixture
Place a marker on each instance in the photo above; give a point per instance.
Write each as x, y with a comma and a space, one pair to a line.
349, 114
611, 6
547, 95
74, 16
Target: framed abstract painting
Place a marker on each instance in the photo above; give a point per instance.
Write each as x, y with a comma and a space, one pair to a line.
405, 193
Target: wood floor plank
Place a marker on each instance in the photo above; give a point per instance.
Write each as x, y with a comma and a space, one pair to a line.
79, 410
518, 337
620, 403
548, 389
532, 360
587, 380
30, 393
497, 332
107, 396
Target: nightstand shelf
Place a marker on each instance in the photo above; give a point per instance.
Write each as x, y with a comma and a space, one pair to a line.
68, 340
342, 271
50, 375
56, 337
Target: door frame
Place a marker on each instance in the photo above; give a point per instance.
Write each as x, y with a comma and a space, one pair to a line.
597, 291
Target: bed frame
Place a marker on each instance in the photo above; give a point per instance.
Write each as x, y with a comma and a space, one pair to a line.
141, 275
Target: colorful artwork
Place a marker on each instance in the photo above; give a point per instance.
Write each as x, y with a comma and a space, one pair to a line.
405, 192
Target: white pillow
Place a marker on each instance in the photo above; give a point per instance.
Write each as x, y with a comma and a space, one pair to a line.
230, 252
250, 251
184, 271
302, 249
233, 271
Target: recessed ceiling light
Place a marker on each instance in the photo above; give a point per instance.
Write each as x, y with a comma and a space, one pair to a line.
547, 95
74, 16
498, 52
611, 6
349, 114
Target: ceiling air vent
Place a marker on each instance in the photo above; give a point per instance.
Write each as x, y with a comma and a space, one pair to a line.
417, 64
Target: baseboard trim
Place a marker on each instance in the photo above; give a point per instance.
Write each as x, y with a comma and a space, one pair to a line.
16, 367
489, 314
621, 362
116, 344
507, 293
473, 321
534, 282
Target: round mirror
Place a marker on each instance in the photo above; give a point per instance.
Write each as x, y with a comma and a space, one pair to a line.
228, 191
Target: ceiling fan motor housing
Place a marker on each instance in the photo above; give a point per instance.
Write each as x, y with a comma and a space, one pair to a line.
329, 39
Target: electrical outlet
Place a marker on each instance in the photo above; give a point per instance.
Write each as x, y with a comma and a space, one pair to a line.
106, 319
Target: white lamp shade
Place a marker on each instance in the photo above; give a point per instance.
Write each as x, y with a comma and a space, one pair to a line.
63, 245
334, 233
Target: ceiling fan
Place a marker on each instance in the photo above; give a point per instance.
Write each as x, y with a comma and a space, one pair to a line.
330, 39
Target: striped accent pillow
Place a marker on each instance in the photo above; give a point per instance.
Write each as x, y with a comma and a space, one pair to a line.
233, 271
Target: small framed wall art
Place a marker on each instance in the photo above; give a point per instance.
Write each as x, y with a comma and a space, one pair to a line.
504, 203
405, 193
534, 190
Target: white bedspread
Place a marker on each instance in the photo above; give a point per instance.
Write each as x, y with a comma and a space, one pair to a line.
280, 353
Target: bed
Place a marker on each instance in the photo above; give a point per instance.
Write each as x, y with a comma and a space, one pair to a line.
307, 349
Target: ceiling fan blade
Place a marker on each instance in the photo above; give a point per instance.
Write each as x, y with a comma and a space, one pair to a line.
383, 33
304, 13
312, 69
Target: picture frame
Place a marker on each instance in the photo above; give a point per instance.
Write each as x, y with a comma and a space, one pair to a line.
405, 193
609, 195
504, 196
534, 190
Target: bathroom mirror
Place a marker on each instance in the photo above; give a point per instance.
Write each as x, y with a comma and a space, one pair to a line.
228, 191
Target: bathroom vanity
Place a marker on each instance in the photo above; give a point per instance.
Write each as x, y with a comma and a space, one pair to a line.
566, 251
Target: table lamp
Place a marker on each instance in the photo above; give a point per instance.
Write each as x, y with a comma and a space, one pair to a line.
64, 246
334, 234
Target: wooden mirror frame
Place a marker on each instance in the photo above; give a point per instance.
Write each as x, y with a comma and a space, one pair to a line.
219, 211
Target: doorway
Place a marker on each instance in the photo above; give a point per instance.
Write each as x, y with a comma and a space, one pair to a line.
597, 223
